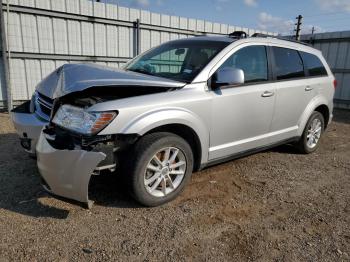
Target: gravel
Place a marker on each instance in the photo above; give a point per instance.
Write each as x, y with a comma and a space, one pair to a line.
274, 205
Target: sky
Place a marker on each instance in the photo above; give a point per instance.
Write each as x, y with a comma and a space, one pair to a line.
269, 15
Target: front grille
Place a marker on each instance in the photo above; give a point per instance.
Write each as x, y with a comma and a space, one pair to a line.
43, 106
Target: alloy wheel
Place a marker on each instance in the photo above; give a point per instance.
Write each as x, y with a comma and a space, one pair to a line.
165, 171
314, 133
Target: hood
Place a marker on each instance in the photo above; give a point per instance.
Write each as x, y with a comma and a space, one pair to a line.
78, 77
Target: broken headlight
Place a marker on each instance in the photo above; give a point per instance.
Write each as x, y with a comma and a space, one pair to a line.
81, 121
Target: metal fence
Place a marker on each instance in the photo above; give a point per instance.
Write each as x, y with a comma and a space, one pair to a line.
336, 49
44, 34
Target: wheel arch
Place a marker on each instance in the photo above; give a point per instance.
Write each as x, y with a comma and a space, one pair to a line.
319, 104
324, 110
189, 135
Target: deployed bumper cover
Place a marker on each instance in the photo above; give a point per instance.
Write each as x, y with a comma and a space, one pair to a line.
67, 172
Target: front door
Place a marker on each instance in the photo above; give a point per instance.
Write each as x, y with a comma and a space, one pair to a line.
242, 115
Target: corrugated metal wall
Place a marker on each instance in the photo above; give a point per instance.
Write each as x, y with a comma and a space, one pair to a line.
44, 34
335, 47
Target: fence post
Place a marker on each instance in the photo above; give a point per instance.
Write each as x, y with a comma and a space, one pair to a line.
138, 36
5, 59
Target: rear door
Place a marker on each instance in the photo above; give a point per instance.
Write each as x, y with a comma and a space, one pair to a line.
317, 77
293, 93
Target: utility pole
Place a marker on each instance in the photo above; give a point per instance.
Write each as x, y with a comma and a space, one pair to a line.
298, 24
313, 30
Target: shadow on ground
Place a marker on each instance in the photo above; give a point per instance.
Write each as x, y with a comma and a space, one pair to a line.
20, 187
21, 190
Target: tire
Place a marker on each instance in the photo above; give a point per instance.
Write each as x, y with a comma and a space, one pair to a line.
304, 144
143, 155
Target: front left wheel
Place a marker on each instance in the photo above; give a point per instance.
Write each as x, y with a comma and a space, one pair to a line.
158, 168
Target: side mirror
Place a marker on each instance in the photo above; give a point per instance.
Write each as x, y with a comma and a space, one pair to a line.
227, 76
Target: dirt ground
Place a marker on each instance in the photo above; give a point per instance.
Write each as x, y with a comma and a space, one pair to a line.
276, 205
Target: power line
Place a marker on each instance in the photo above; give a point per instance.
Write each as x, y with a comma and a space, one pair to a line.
328, 20
328, 13
335, 26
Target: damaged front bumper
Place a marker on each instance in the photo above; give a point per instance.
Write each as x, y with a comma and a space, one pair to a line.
66, 172
28, 126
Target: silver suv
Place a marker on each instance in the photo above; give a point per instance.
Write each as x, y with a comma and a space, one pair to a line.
175, 109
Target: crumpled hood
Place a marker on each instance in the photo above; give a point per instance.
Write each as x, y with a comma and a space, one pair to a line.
78, 77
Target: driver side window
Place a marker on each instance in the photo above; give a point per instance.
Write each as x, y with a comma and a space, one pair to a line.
252, 60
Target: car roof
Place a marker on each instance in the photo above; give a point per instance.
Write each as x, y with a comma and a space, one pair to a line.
252, 39
267, 39
225, 39
286, 43
228, 39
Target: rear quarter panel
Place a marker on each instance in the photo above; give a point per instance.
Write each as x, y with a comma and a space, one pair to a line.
324, 92
324, 96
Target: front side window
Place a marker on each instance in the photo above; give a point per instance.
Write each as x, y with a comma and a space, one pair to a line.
313, 64
252, 60
178, 60
288, 63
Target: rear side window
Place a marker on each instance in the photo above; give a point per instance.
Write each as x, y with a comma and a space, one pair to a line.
288, 63
252, 60
313, 64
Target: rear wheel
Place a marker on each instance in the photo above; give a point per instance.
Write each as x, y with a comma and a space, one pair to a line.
159, 166
313, 131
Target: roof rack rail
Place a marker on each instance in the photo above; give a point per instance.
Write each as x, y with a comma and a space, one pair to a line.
238, 34
280, 38
260, 35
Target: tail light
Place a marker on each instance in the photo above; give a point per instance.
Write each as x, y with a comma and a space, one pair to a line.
335, 83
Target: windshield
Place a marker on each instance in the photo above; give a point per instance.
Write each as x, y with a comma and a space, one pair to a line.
177, 60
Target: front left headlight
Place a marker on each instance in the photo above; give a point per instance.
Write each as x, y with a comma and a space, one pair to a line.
81, 121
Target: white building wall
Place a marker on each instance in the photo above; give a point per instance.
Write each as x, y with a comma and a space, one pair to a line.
45, 39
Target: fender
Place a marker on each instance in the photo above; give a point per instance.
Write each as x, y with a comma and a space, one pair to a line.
314, 103
172, 115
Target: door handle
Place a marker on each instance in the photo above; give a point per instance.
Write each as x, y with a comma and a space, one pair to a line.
308, 88
267, 94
